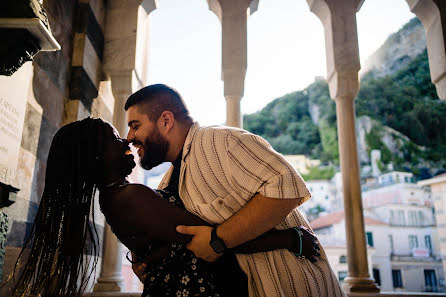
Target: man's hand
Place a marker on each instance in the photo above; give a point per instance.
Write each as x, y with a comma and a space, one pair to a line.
139, 268
200, 243
310, 244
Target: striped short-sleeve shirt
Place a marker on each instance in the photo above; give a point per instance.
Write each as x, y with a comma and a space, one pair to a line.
222, 169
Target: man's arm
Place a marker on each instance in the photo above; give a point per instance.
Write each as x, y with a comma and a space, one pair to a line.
259, 215
252, 167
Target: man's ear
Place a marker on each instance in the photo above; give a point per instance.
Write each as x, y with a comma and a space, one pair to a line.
166, 122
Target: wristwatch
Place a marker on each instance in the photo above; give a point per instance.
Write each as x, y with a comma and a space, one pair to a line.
217, 244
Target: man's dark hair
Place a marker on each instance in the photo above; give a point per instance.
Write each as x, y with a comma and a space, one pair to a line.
154, 99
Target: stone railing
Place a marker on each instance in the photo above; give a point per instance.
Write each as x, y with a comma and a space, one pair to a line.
384, 294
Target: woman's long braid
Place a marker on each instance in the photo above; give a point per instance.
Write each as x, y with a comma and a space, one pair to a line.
62, 233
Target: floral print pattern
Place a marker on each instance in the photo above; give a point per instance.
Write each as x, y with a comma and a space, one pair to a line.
180, 274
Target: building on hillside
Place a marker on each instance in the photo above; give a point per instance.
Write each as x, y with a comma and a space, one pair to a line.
404, 249
301, 163
407, 251
330, 230
323, 198
401, 258
437, 186
326, 196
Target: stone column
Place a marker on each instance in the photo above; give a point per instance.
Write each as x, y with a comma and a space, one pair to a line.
125, 46
432, 13
233, 15
341, 45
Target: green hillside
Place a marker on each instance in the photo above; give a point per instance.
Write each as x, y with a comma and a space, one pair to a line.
405, 101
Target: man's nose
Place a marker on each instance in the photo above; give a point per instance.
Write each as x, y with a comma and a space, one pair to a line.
130, 136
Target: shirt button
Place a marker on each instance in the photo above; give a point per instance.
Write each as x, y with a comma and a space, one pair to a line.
220, 202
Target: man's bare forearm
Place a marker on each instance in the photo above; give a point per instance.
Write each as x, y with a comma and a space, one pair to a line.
258, 216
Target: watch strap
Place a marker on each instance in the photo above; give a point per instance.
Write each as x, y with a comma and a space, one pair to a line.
217, 244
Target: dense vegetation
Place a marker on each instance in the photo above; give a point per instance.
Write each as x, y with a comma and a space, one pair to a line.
405, 101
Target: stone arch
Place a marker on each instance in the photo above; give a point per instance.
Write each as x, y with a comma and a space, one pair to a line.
293, 42
186, 41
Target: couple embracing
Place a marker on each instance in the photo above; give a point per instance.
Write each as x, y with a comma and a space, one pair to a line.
224, 221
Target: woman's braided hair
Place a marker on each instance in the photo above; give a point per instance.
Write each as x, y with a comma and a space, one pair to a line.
64, 242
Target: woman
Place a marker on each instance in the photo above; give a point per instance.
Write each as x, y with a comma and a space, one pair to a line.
88, 155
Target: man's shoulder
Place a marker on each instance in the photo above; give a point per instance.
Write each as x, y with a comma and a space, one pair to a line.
219, 131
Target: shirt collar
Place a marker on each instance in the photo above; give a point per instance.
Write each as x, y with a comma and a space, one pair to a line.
189, 138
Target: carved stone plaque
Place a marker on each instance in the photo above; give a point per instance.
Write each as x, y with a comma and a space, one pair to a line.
13, 97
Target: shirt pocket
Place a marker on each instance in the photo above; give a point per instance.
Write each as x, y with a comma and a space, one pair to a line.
225, 207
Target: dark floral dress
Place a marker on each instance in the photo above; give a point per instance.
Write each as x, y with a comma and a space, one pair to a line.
180, 274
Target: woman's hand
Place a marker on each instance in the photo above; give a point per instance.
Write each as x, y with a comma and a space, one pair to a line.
310, 245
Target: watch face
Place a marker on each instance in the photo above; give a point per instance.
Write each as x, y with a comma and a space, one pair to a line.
218, 245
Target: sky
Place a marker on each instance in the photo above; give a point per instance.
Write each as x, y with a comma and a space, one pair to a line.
286, 50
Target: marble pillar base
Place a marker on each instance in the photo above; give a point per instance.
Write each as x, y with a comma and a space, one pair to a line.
360, 285
109, 285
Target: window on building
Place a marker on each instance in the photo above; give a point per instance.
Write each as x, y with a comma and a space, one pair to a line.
392, 217
421, 218
377, 276
369, 236
430, 280
428, 242
391, 243
413, 218
342, 275
413, 241
401, 218
396, 278
343, 259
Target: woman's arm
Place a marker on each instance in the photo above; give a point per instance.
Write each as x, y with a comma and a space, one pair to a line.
138, 209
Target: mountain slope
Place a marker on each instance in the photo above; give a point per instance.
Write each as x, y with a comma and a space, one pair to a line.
397, 94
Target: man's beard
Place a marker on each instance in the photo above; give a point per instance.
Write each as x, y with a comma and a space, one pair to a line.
155, 150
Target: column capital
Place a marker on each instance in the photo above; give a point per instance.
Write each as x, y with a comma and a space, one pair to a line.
432, 13
125, 31
341, 44
217, 6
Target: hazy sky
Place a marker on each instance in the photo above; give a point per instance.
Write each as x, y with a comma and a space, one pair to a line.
286, 50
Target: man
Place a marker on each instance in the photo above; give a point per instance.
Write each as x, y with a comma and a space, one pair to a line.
232, 178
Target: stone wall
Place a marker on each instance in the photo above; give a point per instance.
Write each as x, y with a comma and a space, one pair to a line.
61, 87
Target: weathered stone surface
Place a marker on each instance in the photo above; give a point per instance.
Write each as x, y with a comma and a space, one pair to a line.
60, 17
47, 131
103, 105
25, 173
38, 181
98, 9
55, 64
31, 128
19, 211
48, 96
